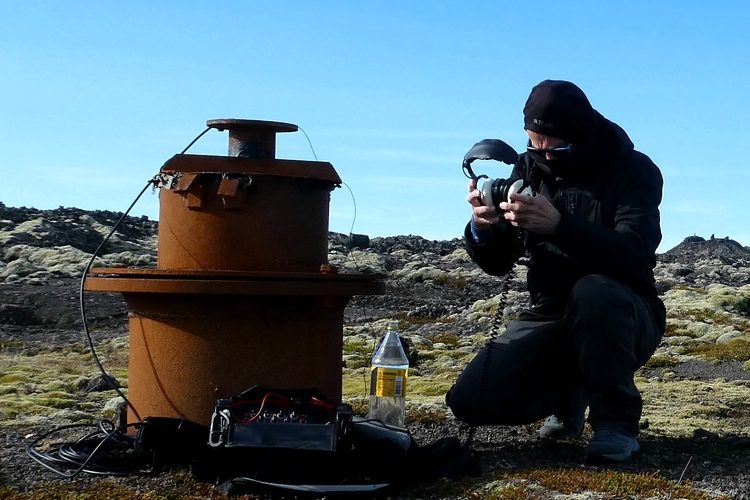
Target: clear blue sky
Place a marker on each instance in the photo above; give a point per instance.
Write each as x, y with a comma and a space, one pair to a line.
96, 96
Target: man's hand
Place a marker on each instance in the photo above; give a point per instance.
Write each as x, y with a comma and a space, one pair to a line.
484, 216
533, 213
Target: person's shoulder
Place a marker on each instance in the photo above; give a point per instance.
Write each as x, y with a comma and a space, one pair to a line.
637, 159
639, 165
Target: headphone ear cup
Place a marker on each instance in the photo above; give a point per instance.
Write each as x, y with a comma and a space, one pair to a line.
520, 187
486, 193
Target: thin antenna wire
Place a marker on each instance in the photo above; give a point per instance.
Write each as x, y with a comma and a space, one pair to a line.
354, 204
351, 256
309, 142
152, 182
195, 140
82, 303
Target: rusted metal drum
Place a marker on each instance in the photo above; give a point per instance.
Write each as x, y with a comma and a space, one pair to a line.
195, 338
242, 294
237, 214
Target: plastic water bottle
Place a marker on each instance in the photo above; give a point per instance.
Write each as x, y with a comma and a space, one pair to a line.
389, 372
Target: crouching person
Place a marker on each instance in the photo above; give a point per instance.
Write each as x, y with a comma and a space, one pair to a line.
590, 233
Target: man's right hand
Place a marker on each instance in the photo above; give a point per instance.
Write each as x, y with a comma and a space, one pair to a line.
484, 217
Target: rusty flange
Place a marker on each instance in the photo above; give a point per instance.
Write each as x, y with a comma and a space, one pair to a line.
254, 139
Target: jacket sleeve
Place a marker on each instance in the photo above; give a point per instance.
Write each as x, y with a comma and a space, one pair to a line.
628, 249
498, 253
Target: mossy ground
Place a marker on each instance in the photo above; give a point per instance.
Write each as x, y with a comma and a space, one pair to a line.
572, 483
47, 387
51, 384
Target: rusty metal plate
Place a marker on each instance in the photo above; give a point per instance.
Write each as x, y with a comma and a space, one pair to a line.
295, 169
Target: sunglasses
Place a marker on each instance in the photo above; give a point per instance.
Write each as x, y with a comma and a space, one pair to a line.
561, 150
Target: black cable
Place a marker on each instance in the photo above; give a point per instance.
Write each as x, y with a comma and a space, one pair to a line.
152, 182
82, 452
495, 332
195, 140
82, 302
68, 454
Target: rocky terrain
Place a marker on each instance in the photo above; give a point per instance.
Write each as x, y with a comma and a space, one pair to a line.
696, 423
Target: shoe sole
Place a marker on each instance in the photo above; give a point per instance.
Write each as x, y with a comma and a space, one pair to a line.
611, 458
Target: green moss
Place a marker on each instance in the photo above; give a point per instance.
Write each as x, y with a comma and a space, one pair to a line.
618, 484
737, 349
742, 306
448, 338
8, 389
691, 289
672, 330
425, 414
661, 362
405, 321
553, 482
359, 404
13, 377
11, 345
428, 356
712, 316
428, 386
356, 383
43, 384
183, 486
53, 402
66, 384
362, 349
457, 282
677, 407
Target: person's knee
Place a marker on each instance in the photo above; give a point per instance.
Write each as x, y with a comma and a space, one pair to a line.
601, 310
460, 405
597, 297
593, 290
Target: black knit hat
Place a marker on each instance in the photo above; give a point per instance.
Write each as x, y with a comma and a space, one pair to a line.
560, 109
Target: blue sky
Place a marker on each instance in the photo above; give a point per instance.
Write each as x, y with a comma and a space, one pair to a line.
96, 96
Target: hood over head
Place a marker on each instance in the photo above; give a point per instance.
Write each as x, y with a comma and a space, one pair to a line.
560, 109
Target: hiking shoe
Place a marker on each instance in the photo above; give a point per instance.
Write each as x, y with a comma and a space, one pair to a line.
556, 428
608, 446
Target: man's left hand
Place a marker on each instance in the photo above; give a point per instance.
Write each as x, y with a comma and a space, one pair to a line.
533, 213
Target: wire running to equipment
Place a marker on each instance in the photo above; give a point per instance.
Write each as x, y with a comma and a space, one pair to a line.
119, 457
152, 182
82, 302
354, 260
119, 454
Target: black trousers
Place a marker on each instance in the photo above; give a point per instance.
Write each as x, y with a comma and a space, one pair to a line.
540, 368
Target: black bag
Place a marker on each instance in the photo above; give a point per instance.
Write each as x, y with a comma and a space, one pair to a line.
271, 440
296, 442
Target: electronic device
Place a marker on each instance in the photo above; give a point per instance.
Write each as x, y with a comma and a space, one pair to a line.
494, 191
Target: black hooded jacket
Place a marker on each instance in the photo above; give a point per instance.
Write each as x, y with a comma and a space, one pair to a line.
608, 195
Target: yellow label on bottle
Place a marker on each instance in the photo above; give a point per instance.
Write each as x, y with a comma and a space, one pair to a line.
388, 382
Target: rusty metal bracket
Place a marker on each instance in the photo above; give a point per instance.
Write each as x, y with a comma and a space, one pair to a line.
186, 181
232, 189
187, 184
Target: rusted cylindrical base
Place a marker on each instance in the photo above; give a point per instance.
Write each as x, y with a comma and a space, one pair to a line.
187, 351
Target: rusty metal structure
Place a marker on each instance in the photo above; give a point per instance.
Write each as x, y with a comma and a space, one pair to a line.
242, 293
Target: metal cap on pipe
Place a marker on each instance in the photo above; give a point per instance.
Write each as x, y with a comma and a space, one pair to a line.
254, 139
